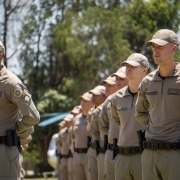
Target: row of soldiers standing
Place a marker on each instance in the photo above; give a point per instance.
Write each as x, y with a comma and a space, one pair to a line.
86, 136
99, 139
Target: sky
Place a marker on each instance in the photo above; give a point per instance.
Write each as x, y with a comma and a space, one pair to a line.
12, 34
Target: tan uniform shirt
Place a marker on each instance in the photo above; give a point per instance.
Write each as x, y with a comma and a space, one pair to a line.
70, 140
106, 125
94, 128
158, 106
89, 117
15, 99
89, 120
80, 132
63, 141
123, 108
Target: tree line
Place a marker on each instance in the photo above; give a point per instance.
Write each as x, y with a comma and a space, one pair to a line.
67, 47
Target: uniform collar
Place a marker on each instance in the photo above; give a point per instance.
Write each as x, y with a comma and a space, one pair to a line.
175, 72
125, 91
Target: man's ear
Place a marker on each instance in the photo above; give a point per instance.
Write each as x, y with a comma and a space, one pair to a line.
145, 70
174, 47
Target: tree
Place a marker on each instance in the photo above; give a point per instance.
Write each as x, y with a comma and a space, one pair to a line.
88, 48
10, 10
144, 18
50, 101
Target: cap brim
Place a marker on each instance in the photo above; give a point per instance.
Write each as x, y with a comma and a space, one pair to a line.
132, 63
159, 42
122, 75
85, 98
95, 92
109, 82
75, 111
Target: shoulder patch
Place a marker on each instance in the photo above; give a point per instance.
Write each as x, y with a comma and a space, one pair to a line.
26, 96
139, 94
18, 92
21, 94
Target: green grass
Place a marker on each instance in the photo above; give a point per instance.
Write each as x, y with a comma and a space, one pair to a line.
49, 178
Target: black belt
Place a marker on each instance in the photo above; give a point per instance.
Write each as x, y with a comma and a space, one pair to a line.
65, 156
93, 145
80, 150
101, 150
110, 147
154, 145
128, 150
3, 140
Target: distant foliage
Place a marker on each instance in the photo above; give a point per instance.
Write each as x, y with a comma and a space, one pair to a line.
52, 101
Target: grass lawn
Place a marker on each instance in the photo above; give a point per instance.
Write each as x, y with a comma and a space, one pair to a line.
49, 178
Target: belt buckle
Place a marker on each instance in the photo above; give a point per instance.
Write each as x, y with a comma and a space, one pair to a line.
154, 146
126, 150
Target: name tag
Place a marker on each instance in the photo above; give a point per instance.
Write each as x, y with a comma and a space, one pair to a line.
173, 91
151, 92
122, 109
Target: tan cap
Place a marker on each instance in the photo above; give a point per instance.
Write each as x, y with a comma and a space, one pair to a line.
2, 49
162, 37
69, 118
62, 123
136, 59
76, 109
110, 80
121, 72
98, 90
86, 96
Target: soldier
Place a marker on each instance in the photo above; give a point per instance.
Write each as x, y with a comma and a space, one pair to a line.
76, 110
91, 154
80, 135
95, 132
107, 125
68, 119
158, 107
128, 159
63, 141
98, 94
59, 145
15, 100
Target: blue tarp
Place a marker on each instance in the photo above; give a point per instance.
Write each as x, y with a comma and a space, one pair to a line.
53, 119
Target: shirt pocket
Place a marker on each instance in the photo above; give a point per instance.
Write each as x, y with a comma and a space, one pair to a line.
122, 111
152, 97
